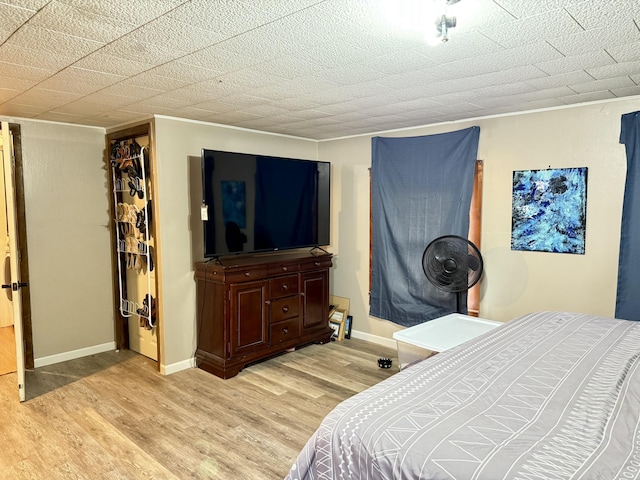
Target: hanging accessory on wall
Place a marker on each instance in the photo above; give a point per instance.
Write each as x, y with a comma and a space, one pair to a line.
147, 312
128, 157
141, 223
125, 163
135, 174
143, 312
135, 149
150, 257
132, 232
452, 264
148, 210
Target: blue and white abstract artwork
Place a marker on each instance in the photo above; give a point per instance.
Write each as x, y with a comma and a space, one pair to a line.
549, 210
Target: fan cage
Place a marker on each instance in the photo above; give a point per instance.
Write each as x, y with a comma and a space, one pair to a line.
452, 263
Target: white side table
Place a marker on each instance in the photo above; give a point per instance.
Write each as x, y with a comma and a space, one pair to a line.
438, 335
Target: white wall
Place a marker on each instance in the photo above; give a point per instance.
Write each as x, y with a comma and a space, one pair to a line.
66, 203
179, 192
514, 282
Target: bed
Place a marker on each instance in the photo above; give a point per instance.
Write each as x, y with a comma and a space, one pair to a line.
551, 395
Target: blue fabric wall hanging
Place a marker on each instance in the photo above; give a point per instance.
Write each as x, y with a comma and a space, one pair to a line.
421, 190
628, 296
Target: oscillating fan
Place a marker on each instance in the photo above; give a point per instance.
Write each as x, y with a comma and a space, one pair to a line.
452, 264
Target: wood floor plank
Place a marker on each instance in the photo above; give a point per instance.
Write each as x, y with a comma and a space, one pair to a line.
119, 446
112, 416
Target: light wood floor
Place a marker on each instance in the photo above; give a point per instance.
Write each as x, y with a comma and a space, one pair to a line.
7, 350
112, 416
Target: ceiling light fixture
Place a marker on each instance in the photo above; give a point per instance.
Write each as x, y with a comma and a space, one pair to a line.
432, 19
444, 22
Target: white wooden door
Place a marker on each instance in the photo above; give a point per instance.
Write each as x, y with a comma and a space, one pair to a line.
8, 163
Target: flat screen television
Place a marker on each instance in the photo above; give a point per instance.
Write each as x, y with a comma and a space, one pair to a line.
260, 203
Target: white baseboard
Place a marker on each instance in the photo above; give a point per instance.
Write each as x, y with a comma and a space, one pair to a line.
191, 363
177, 367
384, 341
73, 354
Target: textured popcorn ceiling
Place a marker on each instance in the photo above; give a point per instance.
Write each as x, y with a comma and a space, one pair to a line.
311, 68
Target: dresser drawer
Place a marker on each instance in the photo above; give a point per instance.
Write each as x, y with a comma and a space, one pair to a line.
283, 286
285, 308
245, 275
278, 269
285, 330
315, 264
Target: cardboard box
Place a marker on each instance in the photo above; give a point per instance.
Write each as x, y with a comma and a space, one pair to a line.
340, 303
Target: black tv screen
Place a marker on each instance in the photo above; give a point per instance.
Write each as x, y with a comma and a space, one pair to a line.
257, 203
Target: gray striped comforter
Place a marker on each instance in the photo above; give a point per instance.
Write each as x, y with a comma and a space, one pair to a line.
551, 395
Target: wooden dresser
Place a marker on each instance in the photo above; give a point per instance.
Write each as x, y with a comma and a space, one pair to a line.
253, 307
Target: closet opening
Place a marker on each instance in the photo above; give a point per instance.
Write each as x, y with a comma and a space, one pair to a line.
134, 261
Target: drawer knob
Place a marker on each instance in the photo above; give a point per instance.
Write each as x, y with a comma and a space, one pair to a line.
285, 309
285, 287
317, 264
246, 274
284, 269
285, 330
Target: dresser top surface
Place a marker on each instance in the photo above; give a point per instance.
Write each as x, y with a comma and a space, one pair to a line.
243, 261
